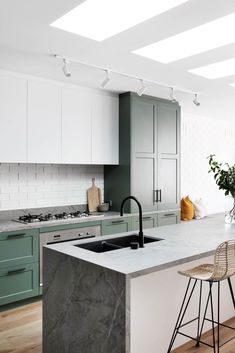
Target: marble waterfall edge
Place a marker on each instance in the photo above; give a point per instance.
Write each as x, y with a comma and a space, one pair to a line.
88, 310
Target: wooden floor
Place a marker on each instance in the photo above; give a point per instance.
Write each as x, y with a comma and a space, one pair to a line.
21, 332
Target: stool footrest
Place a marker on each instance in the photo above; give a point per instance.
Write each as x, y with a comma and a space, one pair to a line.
189, 322
194, 339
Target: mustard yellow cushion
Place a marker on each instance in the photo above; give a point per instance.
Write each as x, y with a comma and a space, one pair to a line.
187, 209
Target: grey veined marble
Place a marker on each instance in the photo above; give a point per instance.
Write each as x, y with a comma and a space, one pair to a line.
84, 307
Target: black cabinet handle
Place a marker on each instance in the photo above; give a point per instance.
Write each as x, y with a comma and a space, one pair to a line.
119, 221
155, 195
160, 197
169, 214
15, 236
145, 218
13, 272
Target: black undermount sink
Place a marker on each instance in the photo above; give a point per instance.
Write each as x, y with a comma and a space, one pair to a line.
115, 243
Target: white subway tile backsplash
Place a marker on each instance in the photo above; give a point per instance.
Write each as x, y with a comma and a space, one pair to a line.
38, 185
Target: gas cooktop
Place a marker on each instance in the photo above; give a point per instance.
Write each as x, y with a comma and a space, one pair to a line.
32, 218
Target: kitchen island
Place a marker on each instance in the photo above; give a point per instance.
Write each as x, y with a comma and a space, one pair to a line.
125, 301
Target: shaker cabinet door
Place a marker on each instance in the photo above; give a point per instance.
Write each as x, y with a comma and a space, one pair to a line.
168, 156
104, 129
144, 154
44, 122
13, 119
76, 126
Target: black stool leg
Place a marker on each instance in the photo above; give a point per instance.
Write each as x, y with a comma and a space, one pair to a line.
204, 316
231, 291
199, 315
212, 316
218, 327
181, 316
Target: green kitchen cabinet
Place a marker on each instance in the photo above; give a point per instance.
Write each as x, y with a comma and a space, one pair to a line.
18, 247
18, 282
167, 218
149, 221
116, 225
149, 155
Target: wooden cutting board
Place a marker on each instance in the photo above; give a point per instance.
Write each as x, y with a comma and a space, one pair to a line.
93, 197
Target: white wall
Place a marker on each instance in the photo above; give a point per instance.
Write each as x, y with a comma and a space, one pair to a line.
200, 137
38, 185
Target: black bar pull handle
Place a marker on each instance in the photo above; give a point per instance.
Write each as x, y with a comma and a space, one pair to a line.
119, 221
15, 236
169, 214
160, 195
147, 217
13, 272
155, 195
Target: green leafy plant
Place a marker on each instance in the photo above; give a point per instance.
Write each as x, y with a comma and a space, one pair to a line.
224, 176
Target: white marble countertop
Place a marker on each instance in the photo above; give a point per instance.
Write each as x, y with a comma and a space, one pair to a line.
9, 225
184, 242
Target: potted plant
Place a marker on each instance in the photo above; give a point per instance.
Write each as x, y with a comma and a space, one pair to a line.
225, 178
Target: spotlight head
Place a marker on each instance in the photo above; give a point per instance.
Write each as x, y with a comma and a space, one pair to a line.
65, 69
106, 80
142, 89
172, 97
195, 101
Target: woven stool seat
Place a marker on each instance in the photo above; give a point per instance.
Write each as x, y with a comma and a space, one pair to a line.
222, 269
203, 272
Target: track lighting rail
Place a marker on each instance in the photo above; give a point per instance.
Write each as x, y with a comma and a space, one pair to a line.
144, 82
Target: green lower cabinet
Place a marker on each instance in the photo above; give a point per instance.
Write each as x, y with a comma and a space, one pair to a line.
18, 282
116, 225
168, 218
18, 247
149, 221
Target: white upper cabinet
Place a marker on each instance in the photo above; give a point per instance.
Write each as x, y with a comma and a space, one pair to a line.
76, 126
13, 119
44, 122
104, 129
49, 122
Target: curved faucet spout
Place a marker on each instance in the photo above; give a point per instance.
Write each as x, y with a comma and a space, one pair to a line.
141, 234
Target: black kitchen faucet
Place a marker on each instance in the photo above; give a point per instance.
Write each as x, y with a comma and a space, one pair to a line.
141, 234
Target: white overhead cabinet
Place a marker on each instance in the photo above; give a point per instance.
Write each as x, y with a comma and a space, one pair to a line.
13, 119
47, 122
76, 126
104, 129
44, 122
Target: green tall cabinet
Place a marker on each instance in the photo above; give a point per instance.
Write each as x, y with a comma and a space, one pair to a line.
149, 155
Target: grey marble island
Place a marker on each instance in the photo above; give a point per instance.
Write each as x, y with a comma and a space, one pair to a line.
123, 301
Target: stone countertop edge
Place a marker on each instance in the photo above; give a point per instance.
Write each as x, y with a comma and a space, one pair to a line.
183, 243
9, 225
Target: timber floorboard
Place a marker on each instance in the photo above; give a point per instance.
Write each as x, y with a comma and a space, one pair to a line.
21, 332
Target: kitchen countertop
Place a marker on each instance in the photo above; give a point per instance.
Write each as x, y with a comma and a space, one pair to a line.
182, 243
9, 225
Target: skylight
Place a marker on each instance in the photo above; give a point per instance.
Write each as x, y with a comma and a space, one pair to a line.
101, 19
217, 70
194, 41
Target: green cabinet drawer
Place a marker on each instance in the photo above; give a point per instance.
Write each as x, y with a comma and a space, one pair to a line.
116, 225
18, 247
168, 218
18, 282
149, 221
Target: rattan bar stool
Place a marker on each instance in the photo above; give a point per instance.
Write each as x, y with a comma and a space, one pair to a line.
223, 268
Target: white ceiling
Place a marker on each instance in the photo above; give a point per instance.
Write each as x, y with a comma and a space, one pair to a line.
27, 44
